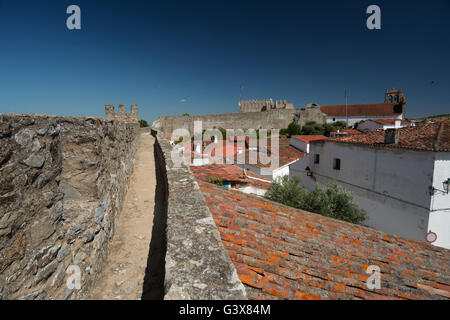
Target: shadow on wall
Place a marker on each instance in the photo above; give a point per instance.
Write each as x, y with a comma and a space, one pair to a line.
153, 287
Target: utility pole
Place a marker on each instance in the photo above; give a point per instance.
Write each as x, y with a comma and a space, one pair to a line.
346, 106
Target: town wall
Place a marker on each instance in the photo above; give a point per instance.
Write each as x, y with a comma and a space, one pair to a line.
273, 119
62, 183
197, 266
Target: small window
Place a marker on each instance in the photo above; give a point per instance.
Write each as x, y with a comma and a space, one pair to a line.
336, 164
334, 119
316, 158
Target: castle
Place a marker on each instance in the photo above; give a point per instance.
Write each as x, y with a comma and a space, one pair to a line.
122, 115
263, 105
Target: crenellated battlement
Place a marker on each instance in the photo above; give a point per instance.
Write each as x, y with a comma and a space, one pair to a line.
110, 113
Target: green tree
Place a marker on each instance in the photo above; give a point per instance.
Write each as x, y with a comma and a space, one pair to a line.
186, 114
286, 191
293, 129
312, 128
334, 202
216, 180
143, 123
333, 127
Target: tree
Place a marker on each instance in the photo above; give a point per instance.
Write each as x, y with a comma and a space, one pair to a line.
312, 128
216, 180
334, 202
286, 191
186, 114
333, 127
293, 129
143, 123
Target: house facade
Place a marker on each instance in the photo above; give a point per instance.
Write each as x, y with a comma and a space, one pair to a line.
399, 182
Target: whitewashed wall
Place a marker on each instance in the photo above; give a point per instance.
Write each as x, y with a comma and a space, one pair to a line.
299, 145
393, 186
439, 221
297, 169
279, 173
353, 120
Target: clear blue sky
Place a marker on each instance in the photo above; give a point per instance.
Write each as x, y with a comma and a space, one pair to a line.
190, 56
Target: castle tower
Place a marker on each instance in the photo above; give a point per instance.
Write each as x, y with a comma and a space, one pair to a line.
122, 109
134, 112
109, 112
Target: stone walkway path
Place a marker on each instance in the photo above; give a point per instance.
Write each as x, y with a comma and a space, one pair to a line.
123, 274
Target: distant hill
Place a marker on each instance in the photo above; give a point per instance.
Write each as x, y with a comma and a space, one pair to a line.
439, 117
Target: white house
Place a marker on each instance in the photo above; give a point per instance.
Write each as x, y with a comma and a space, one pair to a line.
302, 142
399, 176
382, 124
285, 158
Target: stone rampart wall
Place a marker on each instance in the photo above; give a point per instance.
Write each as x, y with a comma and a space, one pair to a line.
197, 266
62, 183
273, 119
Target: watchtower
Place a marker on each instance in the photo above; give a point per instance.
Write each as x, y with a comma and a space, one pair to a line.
122, 115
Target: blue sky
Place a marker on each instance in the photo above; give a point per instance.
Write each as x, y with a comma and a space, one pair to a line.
191, 56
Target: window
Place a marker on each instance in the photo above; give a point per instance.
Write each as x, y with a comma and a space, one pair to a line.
336, 164
316, 158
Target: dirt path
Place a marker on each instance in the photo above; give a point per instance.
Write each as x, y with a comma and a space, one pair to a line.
123, 274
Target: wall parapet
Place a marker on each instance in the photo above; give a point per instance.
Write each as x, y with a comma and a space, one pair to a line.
197, 266
62, 185
122, 115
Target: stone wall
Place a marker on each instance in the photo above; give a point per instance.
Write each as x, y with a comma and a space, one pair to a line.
122, 114
263, 105
62, 182
276, 119
197, 266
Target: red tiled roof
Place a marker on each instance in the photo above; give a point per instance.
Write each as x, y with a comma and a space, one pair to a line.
284, 253
223, 148
429, 137
286, 154
372, 109
347, 132
308, 138
389, 121
229, 172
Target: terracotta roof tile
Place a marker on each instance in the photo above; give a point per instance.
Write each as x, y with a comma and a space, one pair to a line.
388, 121
372, 109
286, 154
308, 138
429, 137
230, 173
285, 253
346, 132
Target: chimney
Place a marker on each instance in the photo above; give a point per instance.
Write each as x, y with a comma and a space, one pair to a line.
391, 136
397, 124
